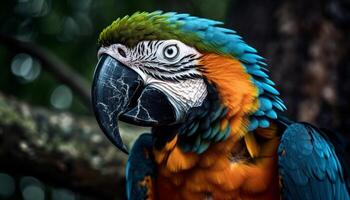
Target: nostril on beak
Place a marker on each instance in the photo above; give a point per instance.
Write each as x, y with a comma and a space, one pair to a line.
121, 52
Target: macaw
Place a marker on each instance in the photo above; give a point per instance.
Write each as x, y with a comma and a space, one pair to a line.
217, 128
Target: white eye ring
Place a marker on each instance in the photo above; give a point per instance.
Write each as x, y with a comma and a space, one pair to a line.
170, 52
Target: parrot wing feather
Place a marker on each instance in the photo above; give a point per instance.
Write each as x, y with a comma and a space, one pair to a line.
309, 165
140, 170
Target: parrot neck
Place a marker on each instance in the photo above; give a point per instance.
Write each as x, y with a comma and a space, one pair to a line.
203, 126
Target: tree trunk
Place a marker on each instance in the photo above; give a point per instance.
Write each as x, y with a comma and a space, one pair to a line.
307, 45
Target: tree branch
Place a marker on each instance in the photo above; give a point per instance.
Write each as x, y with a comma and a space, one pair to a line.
58, 68
60, 149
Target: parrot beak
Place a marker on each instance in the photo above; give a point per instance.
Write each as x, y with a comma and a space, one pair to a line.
118, 92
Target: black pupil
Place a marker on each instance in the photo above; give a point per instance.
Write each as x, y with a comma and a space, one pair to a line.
121, 52
170, 51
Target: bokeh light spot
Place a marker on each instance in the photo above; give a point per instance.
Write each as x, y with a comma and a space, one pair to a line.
70, 29
58, 194
7, 185
32, 188
25, 67
61, 97
33, 8
33, 192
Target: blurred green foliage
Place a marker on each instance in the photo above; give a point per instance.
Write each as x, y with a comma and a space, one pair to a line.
70, 28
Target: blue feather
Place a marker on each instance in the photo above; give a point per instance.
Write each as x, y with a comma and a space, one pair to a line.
262, 63
225, 30
234, 47
268, 81
257, 73
196, 144
271, 114
215, 114
192, 129
250, 57
254, 123
265, 104
220, 38
264, 123
277, 105
215, 131
253, 66
222, 134
206, 133
203, 147
269, 88
250, 49
259, 113
186, 147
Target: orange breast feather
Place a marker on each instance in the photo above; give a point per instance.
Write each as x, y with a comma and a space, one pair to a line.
214, 175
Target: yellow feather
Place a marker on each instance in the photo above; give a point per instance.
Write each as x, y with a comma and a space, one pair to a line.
252, 146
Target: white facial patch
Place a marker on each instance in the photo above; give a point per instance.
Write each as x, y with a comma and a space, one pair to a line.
183, 95
168, 65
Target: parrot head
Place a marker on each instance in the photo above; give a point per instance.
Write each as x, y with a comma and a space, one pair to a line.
180, 75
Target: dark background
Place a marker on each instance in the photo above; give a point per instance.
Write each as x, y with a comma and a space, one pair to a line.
50, 145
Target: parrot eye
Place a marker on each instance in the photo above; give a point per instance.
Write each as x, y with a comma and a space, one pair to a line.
170, 52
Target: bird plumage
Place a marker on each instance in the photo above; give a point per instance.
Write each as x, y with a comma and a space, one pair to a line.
229, 140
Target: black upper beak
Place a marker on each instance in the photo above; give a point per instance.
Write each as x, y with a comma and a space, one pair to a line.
118, 92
